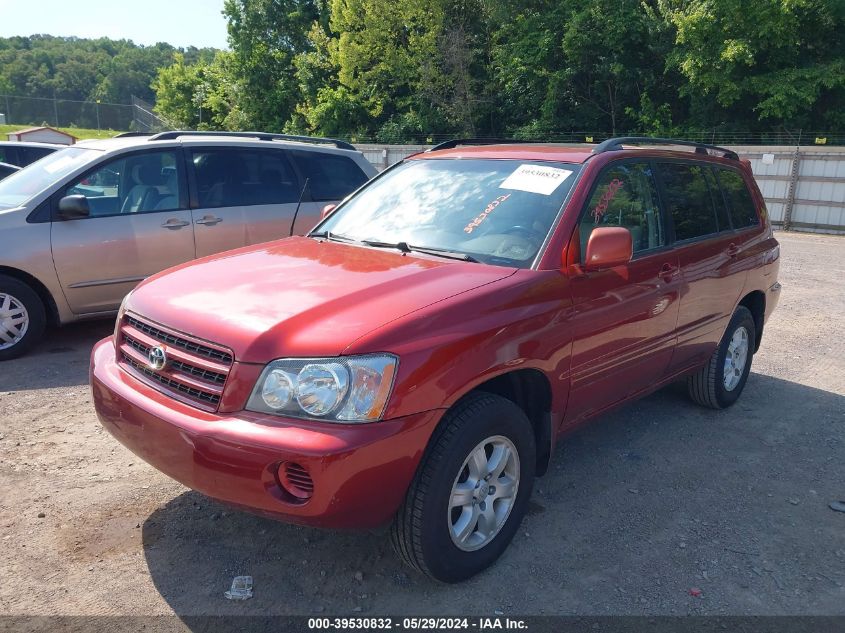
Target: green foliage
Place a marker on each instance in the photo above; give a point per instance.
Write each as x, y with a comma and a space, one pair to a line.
784, 60
404, 70
265, 37
82, 69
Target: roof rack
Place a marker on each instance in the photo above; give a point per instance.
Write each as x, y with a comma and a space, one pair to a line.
261, 136
615, 144
129, 134
456, 142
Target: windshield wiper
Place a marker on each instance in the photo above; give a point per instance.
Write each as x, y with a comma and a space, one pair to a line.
334, 237
428, 250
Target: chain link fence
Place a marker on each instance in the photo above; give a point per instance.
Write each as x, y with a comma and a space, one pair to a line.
137, 116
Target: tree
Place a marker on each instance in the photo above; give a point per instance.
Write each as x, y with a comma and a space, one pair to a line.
777, 61
266, 36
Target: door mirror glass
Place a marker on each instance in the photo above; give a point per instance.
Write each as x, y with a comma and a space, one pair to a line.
74, 207
327, 210
607, 247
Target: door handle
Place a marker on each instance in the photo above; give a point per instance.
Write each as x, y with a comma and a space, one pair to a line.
208, 220
174, 224
667, 272
733, 250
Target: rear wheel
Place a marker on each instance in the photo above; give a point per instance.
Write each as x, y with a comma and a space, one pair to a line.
470, 492
720, 382
22, 317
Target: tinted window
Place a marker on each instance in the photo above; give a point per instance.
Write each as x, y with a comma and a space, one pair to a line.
688, 200
330, 177
138, 183
6, 170
625, 196
719, 203
8, 155
237, 177
740, 202
32, 154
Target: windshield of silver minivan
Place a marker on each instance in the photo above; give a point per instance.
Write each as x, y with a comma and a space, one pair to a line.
490, 210
35, 178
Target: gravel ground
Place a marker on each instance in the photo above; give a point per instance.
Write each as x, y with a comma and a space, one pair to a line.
649, 502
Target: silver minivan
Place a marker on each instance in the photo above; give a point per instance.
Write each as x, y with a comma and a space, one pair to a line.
82, 226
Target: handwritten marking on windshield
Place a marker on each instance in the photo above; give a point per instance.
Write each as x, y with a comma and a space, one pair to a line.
469, 228
601, 208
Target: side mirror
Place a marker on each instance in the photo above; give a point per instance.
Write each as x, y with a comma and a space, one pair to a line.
607, 247
74, 207
327, 211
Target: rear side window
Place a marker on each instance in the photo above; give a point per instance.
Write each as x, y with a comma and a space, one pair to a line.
330, 177
688, 200
239, 177
741, 205
32, 154
8, 155
625, 196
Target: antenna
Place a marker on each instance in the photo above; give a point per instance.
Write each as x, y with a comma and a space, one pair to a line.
296, 213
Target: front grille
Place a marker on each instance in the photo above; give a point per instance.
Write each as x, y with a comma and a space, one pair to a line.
195, 371
177, 341
173, 384
211, 376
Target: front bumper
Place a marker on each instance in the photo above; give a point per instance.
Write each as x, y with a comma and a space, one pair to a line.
360, 472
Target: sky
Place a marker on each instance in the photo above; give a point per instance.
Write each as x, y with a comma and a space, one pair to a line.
178, 22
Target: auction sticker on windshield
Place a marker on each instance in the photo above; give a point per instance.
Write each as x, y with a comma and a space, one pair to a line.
536, 179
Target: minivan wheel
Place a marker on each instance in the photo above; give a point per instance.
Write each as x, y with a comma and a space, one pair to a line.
22, 317
720, 382
470, 492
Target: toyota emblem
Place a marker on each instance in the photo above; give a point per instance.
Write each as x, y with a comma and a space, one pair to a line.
156, 358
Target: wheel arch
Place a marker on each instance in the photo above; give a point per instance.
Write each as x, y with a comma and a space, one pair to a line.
755, 301
531, 391
39, 288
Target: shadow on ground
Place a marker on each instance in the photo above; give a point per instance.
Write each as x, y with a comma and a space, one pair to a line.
59, 360
638, 508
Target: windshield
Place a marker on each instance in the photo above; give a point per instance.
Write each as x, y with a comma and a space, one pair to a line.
24, 184
495, 211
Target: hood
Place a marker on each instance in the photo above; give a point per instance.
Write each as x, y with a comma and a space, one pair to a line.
299, 296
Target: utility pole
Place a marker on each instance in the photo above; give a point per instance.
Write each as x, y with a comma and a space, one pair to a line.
55, 107
98, 115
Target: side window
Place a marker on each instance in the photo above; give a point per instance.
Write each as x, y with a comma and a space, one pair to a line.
237, 177
7, 155
138, 183
330, 177
626, 195
719, 203
688, 200
741, 205
32, 154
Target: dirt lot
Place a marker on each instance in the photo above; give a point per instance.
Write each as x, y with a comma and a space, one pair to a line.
647, 503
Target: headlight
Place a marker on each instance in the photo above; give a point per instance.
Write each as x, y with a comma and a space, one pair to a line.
343, 389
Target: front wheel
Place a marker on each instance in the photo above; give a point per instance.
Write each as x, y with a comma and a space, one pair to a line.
720, 382
22, 317
470, 492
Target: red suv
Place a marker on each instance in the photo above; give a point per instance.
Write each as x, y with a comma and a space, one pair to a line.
414, 359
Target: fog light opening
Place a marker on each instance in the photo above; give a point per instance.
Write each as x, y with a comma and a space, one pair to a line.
295, 480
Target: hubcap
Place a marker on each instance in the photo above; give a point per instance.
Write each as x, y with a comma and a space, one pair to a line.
735, 358
14, 321
483, 493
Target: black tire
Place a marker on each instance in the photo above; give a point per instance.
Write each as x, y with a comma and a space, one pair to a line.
420, 533
9, 286
707, 386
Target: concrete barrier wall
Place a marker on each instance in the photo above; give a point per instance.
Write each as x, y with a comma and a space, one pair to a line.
804, 187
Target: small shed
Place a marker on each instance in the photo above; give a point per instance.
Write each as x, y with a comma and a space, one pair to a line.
43, 135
